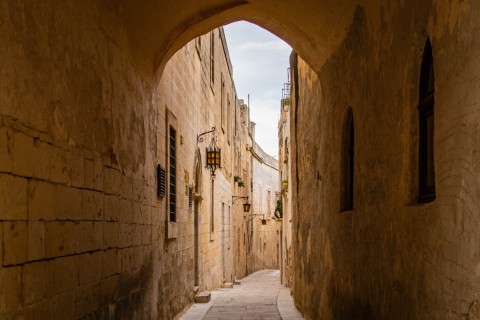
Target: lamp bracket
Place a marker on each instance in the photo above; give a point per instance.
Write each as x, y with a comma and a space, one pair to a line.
235, 198
199, 136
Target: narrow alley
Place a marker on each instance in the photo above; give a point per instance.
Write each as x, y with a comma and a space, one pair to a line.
134, 178
259, 296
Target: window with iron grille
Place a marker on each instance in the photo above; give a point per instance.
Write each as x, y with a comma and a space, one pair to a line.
222, 104
212, 58
229, 120
172, 198
190, 196
161, 181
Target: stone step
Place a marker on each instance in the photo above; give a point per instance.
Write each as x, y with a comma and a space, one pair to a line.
202, 297
237, 282
228, 285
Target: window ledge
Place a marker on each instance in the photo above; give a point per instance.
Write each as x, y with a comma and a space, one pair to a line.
424, 199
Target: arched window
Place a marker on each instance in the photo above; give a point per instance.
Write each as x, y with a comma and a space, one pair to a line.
426, 163
347, 162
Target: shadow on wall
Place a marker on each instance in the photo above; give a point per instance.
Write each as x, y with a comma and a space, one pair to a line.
352, 307
131, 295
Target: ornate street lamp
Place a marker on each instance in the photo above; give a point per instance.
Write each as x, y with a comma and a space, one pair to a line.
246, 205
213, 152
213, 156
213, 162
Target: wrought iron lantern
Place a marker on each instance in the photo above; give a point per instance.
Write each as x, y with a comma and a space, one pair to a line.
246, 205
214, 159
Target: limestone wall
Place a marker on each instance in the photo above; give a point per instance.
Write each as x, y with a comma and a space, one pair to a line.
243, 167
285, 174
79, 216
81, 123
188, 92
390, 257
82, 130
265, 227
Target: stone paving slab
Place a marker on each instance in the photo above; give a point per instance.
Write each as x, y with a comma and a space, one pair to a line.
259, 297
286, 307
198, 310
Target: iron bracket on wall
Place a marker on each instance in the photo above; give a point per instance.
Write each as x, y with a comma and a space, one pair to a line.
199, 136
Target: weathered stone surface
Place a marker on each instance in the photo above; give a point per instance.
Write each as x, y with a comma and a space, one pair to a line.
65, 273
41, 200
84, 108
90, 267
59, 172
14, 242
11, 293
35, 282
22, 153
221, 248
93, 207
202, 297
389, 255
36, 240
286, 174
261, 297
68, 203
87, 300
41, 162
13, 197
6, 144
61, 238
265, 238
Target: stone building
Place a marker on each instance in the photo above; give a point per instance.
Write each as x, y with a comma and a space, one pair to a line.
244, 178
228, 243
285, 174
265, 227
88, 234
225, 238
198, 249
391, 232
81, 225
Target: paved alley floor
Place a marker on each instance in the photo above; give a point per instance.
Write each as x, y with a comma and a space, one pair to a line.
260, 296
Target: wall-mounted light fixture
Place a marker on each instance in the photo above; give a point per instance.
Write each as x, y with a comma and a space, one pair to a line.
213, 162
213, 152
246, 205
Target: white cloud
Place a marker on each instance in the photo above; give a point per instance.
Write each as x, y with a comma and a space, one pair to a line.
275, 45
260, 61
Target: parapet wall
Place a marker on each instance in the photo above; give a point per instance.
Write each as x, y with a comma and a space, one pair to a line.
262, 156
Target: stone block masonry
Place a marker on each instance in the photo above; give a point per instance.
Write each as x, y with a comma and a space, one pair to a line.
66, 244
391, 256
79, 216
84, 89
265, 238
82, 129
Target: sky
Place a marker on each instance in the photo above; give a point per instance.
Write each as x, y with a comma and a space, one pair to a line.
260, 61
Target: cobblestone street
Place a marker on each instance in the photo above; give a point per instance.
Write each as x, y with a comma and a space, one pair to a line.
260, 296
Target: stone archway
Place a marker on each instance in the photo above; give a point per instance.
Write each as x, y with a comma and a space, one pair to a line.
79, 98
307, 26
